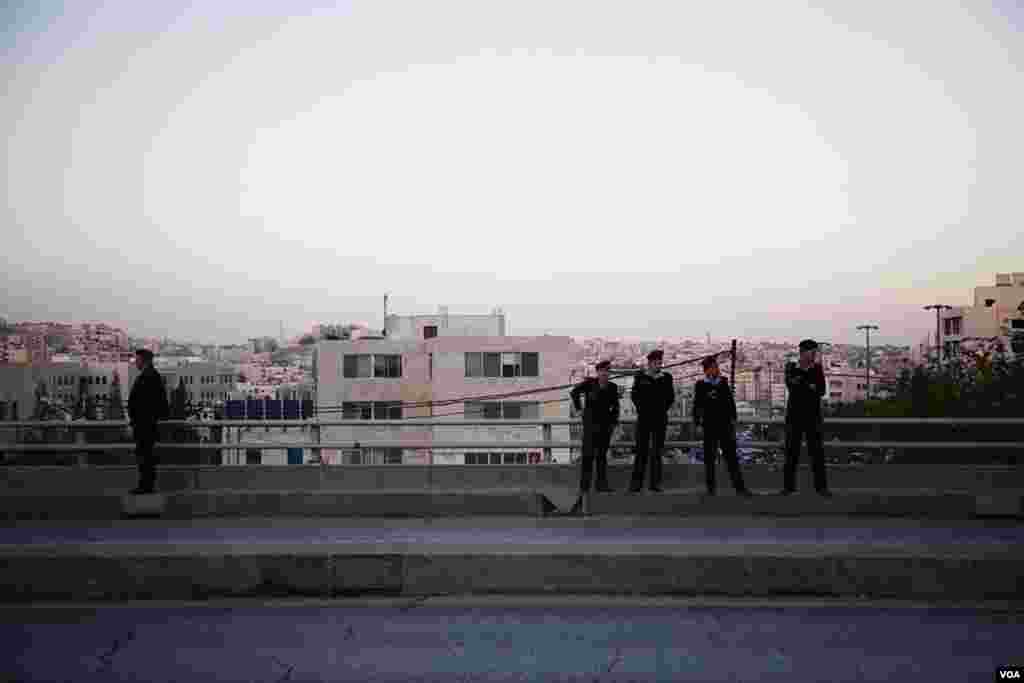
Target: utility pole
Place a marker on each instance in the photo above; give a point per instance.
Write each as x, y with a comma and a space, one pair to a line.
732, 370
938, 335
867, 371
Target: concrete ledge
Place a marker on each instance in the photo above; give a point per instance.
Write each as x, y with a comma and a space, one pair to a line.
917, 504
504, 502
126, 573
1000, 505
91, 480
151, 505
198, 504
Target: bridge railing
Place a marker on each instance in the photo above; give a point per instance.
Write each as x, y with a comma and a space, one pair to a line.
13, 434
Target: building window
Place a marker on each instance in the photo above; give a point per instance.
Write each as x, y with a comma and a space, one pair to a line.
387, 410
474, 367
507, 364
361, 410
389, 366
429, 331
357, 366
476, 458
364, 365
514, 458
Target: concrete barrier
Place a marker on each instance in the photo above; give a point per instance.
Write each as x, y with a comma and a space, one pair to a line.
181, 572
245, 503
441, 502
82, 480
1003, 504
916, 504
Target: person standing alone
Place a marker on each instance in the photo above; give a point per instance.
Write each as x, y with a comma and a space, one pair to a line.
652, 394
147, 405
805, 381
600, 417
714, 409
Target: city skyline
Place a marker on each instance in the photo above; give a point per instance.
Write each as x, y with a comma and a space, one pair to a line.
657, 171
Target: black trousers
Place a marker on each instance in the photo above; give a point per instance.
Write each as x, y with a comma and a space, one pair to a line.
723, 436
145, 441
646, 430
596, 439
795, 433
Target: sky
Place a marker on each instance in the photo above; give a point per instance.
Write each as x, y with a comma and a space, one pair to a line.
644, 169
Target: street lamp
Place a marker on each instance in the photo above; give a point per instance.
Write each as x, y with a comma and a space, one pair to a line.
867, 371
938, 344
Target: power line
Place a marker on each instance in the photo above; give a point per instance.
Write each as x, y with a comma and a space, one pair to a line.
522, 392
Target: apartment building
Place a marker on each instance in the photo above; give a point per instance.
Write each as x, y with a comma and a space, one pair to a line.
204, 382
68, 383
459, 360
997, 311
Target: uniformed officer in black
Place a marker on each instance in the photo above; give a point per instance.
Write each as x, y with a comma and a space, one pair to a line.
653, 395
147, 404
600, 417
714, 409
805, 381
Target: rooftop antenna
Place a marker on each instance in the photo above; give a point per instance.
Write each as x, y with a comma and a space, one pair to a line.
384, 332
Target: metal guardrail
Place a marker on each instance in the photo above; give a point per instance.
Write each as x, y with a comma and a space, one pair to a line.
545, 443
555, 422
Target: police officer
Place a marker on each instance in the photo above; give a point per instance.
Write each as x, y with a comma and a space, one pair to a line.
714, 409
805, 381
147, 404
653, 395
600, 417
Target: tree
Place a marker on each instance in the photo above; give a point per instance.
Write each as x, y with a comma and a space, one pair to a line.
115, 409
42, 405
80, 401
178, 399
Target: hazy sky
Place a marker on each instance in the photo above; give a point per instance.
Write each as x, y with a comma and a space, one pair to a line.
757, 168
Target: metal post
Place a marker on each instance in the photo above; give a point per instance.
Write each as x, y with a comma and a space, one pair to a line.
938, 333
83, 458
732, 371
867, 363
546, 436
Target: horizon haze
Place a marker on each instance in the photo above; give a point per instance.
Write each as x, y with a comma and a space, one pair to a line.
595, 169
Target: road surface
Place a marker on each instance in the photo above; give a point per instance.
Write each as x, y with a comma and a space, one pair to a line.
597, 639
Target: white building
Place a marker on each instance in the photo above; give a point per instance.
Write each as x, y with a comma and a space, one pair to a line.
997, 311
204, 381
428, 360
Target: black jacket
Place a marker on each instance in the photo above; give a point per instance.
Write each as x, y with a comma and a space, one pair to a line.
147, 401
806, 389
713, 404
602, 404
652, 396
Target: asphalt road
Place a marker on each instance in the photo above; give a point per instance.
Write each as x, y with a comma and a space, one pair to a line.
631, 531
595, 640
